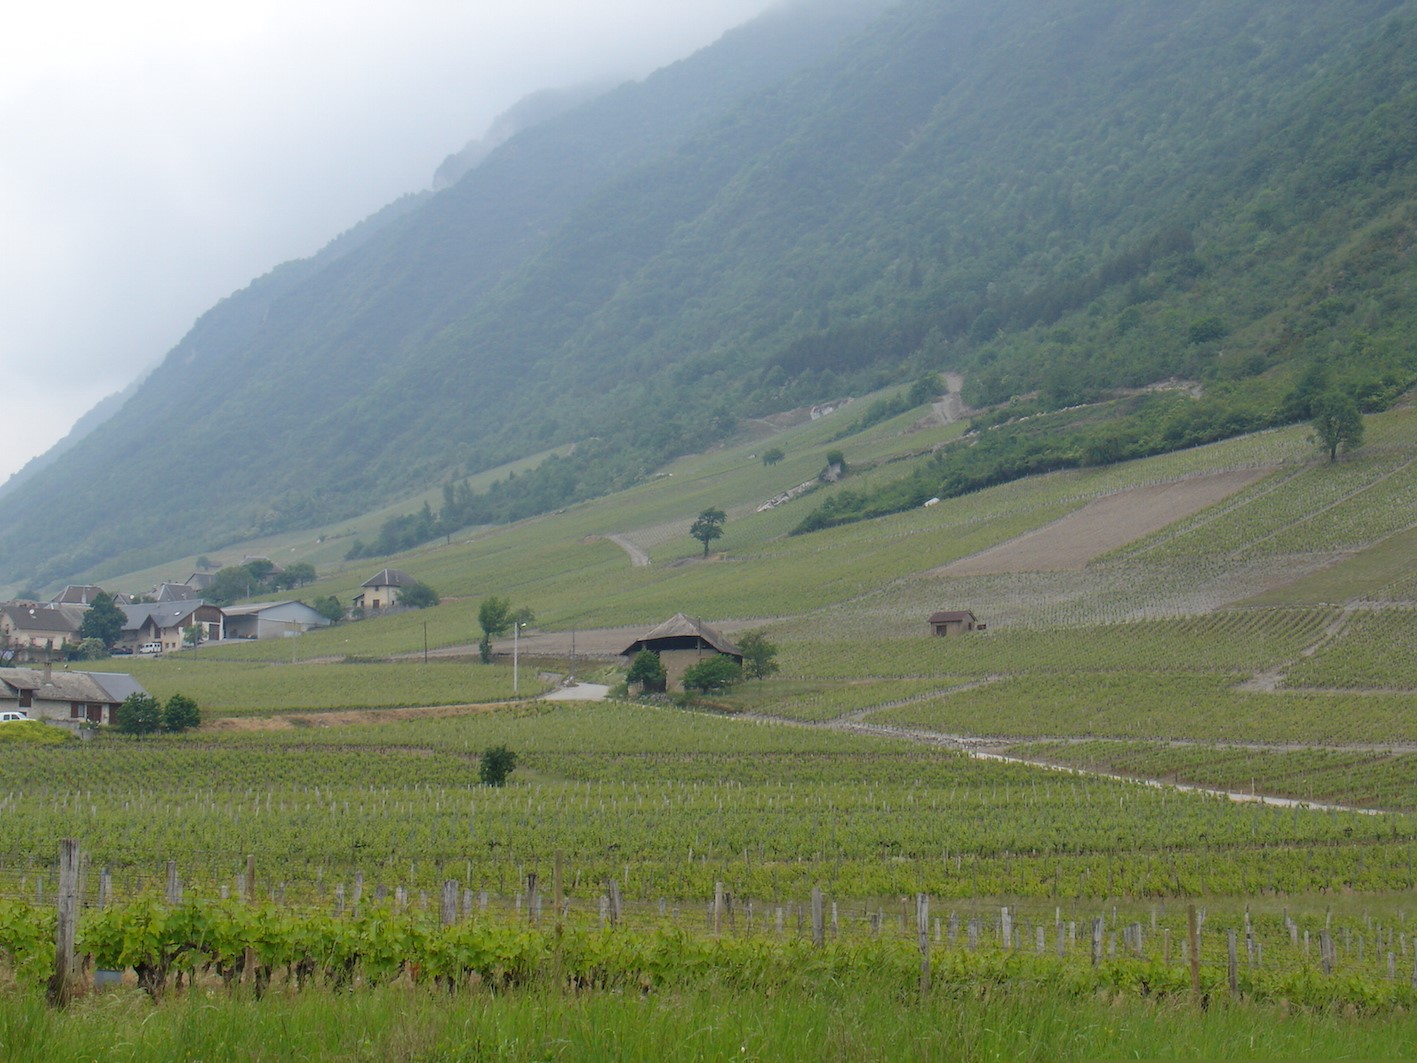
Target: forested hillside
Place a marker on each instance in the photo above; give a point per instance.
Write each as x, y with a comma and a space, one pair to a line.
1056, 200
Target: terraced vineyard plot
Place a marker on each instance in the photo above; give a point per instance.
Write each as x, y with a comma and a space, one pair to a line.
818, 701
1361, 778
1102, 525
1376, 651
1225, 642
1158, 706
772, 811
1323, 507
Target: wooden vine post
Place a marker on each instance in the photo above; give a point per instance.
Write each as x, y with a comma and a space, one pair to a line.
922, 930
64, 982
1193, 942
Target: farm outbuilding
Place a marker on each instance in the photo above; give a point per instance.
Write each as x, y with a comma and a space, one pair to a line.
681, 643
953, 622
271, 620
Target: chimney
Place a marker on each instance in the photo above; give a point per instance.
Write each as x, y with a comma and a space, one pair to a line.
48, 671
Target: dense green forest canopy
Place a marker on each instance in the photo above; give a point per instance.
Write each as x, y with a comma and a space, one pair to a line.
1058, 201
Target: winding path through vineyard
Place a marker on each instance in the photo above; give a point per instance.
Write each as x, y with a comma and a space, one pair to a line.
992, 748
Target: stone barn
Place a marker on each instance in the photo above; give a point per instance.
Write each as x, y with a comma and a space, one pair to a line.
953, 622
682, 643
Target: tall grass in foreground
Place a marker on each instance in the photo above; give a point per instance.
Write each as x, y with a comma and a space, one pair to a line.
402, 1022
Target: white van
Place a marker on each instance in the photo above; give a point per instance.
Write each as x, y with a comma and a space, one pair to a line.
12, 716
150, 647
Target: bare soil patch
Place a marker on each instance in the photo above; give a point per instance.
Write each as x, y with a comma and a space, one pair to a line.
1104, 524
345, 717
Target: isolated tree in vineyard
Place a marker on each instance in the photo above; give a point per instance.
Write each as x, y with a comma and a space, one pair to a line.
759, 655
1337, 423
180, 714
497, 763
708, 527
494, 616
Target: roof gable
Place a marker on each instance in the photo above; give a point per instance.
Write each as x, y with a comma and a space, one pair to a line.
680, 626
390, 577
51, 617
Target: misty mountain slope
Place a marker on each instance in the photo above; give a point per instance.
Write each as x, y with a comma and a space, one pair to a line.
1055, 200
796, 233
292, 366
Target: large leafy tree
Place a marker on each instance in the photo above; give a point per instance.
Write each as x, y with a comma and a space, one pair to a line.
759, 655
418, 596
495, 616
1337, 423
180, 713
713, 675
103, 621
648, 671
708, 527
139, 714
498, 762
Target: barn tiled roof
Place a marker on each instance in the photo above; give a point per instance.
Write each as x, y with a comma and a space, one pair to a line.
950, 616
680, 626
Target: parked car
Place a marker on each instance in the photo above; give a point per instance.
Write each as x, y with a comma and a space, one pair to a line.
150, 647
13, 716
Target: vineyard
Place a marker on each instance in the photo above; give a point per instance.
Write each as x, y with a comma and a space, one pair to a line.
326, 828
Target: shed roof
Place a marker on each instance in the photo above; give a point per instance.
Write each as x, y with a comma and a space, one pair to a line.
289, 606
951, 616
680, 626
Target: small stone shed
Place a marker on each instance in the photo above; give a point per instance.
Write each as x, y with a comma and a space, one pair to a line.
681, 643
953, 622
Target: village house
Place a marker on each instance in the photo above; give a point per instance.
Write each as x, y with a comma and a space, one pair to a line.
953, 622
682, 643
200, 581
65, 697
166, 623
34, 630
382, 591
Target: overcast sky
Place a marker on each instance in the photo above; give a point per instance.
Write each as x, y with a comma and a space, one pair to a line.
158, 155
